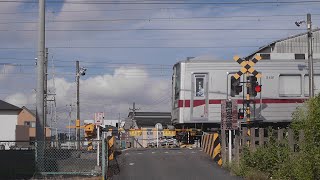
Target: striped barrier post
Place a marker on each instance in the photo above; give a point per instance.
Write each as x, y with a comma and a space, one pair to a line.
207, 143
217, 149
210, 144
111, 148
202, 139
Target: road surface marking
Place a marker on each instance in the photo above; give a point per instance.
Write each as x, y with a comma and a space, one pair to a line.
193, 152
131, 164
139, 153
153, 152
179, 152
166, 152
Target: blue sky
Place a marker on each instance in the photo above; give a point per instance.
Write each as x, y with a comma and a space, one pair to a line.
118, 76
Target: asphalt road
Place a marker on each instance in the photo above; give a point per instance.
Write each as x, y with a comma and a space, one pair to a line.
168, 164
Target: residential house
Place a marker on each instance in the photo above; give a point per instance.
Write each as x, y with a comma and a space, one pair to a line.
8, 118
26, 126
18, 124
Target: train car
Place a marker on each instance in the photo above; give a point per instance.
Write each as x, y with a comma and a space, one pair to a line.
199, 86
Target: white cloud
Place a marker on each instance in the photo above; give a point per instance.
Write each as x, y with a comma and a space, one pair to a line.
5, 71
20, 99
110, 93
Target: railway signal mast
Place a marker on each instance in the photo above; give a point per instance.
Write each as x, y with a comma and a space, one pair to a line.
251, 83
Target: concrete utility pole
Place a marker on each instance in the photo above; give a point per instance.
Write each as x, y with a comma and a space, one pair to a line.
78, 105
40, 87
310, 56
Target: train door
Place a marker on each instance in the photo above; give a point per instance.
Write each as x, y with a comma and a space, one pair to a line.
199, 97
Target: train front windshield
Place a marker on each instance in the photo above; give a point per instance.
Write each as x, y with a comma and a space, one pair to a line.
176, 81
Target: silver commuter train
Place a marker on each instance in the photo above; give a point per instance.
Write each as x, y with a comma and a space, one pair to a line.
198, 86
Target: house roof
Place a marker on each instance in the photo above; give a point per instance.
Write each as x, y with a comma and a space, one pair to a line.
279, 40
32, 112
7, 106
144, 119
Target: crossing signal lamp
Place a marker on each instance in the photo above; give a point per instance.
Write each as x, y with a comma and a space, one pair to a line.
236, 88
90, 130
255, 88
258, 88
240, 114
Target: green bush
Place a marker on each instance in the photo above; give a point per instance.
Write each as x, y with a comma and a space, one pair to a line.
265, 159
307, 119
277, 161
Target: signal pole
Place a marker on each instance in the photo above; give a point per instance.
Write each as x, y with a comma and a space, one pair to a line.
310, 56
248, 84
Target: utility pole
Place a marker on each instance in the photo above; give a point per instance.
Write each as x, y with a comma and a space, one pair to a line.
78, 105
119, 125
310, 56
40, 87
45, 90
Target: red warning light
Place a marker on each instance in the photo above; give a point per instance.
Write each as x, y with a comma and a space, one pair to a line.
258, 88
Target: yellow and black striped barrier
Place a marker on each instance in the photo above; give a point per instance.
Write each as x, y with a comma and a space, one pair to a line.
212, 146
217, 149
111, 147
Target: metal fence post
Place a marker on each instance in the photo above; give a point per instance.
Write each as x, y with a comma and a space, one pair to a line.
103, 158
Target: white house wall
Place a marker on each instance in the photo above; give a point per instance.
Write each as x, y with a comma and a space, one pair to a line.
8, 121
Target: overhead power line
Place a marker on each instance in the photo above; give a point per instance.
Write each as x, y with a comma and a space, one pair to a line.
129, 47
175, 2
136, 47
156, 29
203, 18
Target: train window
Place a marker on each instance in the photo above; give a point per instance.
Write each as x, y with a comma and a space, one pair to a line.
177, 81
265, 56
199, 86
316, 79
299, 56
290, 85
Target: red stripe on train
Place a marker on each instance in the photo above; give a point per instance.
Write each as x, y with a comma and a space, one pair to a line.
186, 103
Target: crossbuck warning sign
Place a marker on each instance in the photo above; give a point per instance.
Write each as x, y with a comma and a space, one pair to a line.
247, 66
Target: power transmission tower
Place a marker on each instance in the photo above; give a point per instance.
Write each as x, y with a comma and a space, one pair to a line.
45, 84
52, 93
133, 109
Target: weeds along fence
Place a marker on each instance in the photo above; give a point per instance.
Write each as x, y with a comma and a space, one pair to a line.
252, 137
216, 145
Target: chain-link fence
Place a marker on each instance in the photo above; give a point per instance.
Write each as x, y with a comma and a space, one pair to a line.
67, 158
54, 158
